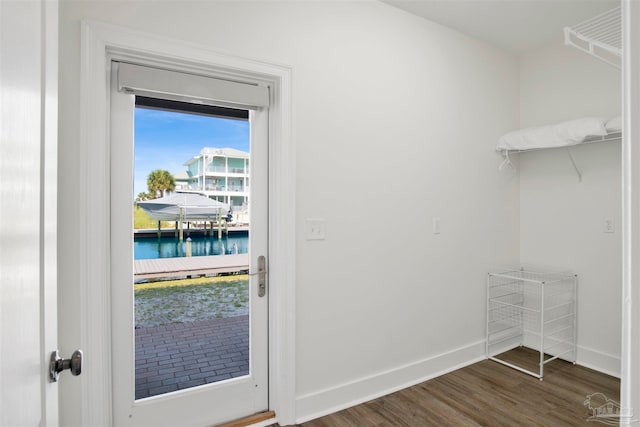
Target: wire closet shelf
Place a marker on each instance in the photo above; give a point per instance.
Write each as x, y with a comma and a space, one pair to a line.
600, 36
530, 309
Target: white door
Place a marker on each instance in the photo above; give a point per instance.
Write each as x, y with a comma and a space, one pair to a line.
154, 383
28, 128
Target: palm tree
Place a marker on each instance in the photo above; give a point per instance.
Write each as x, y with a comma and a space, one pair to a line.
160, 181
142, 196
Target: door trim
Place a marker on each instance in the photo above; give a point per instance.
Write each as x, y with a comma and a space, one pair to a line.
99, 44
630, 380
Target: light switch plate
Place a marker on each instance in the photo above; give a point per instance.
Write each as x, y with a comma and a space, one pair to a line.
315, 228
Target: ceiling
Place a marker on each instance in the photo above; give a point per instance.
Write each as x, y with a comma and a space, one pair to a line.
513, 25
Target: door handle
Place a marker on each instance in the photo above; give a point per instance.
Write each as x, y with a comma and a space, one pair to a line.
262, 276
57, 364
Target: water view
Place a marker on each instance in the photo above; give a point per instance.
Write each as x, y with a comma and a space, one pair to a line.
171, 247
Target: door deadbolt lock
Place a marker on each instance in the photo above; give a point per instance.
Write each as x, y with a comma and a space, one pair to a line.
57, 364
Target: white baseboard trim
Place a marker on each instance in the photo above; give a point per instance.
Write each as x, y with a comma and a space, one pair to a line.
334, 399
599, 361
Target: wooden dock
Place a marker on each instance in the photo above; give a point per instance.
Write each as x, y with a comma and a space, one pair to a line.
189, 266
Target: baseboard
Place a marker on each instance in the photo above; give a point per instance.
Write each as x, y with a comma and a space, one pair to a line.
587, 357
599, 361
334, 399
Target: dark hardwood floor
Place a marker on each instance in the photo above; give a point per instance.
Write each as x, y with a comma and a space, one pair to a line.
486, 394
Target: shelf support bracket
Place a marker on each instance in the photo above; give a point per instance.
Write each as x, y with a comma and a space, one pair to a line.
573, 162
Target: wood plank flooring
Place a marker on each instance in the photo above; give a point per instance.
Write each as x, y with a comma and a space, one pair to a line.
486, 394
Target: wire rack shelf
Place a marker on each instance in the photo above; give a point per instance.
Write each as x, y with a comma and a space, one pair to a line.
600, 36
531, 309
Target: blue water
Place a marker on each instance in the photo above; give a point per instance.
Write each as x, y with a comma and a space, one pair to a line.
170, 247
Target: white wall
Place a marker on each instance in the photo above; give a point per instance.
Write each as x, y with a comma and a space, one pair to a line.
390, 111
561, 219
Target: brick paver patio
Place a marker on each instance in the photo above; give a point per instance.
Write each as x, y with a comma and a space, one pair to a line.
178, 356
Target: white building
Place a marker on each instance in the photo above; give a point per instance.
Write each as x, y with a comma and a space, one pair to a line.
220, 173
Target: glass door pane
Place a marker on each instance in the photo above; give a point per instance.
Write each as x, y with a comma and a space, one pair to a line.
190, 240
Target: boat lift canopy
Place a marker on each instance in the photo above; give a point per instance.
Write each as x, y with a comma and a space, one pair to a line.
185, 207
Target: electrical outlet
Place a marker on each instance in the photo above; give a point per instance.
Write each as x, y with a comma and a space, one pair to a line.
315, 228
607, 226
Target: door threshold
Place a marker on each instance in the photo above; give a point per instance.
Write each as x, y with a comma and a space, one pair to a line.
260, 419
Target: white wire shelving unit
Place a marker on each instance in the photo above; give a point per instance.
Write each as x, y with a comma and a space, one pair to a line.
536, 310
613, 136
600, 36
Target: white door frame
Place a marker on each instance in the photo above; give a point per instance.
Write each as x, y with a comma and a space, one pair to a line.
98, 43
630, 352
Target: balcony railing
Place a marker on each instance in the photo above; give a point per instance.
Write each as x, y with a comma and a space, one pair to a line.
187, 187
229, 188
222, 169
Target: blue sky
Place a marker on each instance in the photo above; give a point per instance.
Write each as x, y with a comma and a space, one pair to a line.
166, 140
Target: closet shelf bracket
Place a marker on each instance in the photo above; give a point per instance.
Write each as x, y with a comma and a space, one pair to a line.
507, 163
575, 166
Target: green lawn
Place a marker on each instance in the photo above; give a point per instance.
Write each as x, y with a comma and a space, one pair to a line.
141, 220
188, 300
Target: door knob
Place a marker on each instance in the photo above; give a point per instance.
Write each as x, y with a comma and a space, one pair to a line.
57, 364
